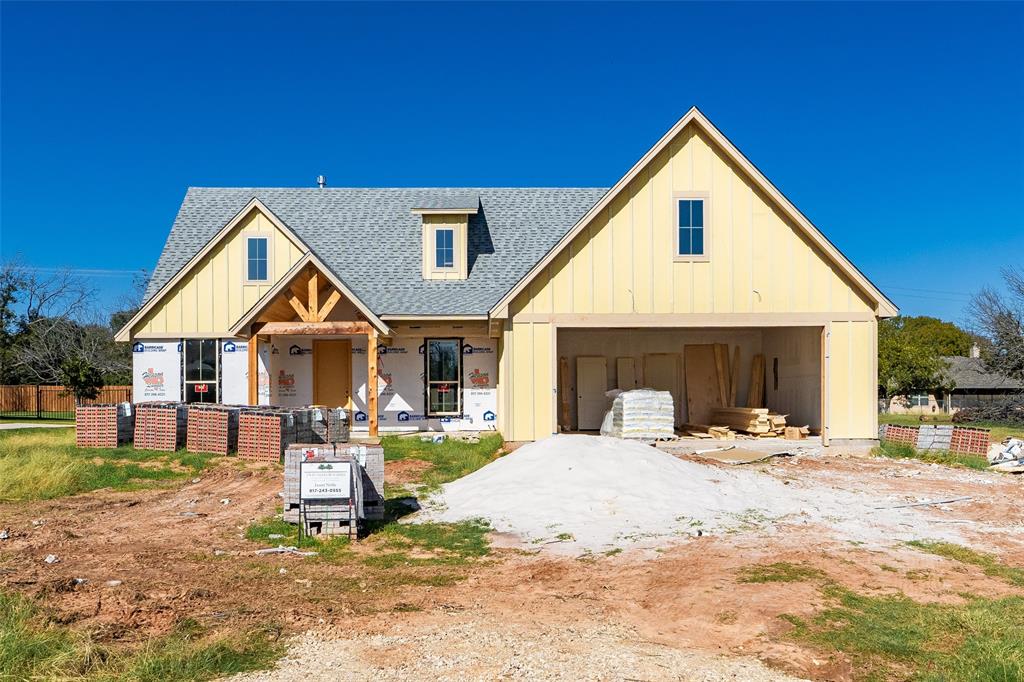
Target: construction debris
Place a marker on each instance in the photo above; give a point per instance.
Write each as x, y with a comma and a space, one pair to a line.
51, 559
1007, 456
281, 549
928, 503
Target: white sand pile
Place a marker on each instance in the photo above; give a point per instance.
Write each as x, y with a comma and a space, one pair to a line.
597, 493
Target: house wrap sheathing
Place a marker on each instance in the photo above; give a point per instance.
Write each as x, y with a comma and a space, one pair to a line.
509, 308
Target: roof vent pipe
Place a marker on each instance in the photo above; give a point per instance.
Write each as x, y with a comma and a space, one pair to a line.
321, 181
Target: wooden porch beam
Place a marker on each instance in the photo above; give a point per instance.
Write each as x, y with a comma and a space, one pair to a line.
299, 308
316, 328
329, 304
371, 381
314, 295
254, 395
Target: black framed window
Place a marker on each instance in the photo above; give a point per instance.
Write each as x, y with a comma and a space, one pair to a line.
691, 227
443, 374
202, 369
257, 260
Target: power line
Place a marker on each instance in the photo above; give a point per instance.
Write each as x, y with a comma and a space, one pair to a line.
86, 272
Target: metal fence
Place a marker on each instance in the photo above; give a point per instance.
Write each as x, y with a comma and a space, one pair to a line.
31, 401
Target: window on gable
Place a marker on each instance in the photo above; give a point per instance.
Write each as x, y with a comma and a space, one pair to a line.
444, 248
691, 227
256, 259
443, 377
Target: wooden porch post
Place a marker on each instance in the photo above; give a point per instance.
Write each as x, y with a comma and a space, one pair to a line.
371, 379
254, 395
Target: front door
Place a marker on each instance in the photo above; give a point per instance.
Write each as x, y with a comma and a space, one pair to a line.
332, 373
591, 386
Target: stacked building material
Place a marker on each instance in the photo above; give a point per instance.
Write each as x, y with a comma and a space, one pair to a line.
265, 433
330, 424
642, 414
160, 426
370, 456
934, 437
103, 426
970, 441
212, 428
293, 454
901, 434
754, 420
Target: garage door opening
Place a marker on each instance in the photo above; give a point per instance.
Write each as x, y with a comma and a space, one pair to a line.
592, 362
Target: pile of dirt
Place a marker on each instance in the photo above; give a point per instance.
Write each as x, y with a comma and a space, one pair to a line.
598, 494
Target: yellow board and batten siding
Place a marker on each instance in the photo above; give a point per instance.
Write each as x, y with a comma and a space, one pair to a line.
623, 263
214, 294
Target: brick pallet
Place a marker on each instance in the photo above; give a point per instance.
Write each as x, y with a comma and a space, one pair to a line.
962, 440
970, 441
103, 426
213, 428
329, 425
264, 435
373, 475
160, 426
371, 457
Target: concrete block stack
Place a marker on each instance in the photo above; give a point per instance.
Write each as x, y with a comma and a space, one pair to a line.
934, 436
293, 454
213, 428
371, 457
103, 426
160, 426
330, 425
901, 434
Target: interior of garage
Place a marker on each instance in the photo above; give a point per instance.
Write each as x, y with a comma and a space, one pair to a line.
594, 361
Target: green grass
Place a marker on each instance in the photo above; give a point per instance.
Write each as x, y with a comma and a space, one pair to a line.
46, 464
901, 451
33, 647
893, 637
779, 572
450, 459
988, 563
1000, 431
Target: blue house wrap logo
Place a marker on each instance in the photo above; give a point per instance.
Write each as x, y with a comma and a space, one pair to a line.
403, 416
139, 348
489, 416
360, 416
228, 347
469, 350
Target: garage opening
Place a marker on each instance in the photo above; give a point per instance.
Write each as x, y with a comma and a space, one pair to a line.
592, 362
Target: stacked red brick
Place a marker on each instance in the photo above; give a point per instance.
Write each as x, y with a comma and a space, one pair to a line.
263, 435
160, 426
103, 426
212, 428
970, 441
901, 434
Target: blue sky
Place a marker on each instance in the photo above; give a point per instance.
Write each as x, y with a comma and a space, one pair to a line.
896, 128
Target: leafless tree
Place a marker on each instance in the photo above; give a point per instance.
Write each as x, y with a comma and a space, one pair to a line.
999, 317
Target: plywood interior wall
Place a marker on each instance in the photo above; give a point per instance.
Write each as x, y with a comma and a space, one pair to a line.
798, 354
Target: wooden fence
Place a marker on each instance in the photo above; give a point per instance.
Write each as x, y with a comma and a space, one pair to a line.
52, 402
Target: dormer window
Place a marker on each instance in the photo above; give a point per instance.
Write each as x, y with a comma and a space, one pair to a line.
445, 220
444, 248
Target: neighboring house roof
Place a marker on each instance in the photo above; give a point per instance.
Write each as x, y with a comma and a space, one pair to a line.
371, 239
970, 373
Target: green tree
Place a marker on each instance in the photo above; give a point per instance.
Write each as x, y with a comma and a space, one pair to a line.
81, 378
910, 355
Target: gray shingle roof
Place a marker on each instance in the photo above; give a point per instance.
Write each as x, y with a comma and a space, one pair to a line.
970, 373
372, 240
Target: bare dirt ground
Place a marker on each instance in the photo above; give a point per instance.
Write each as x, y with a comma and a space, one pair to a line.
678, 612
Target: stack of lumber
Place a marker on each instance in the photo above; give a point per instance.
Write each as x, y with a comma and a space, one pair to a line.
706, 431
758, 421
755, 420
